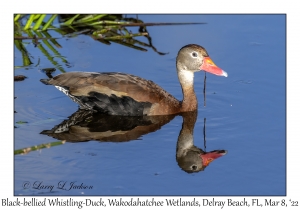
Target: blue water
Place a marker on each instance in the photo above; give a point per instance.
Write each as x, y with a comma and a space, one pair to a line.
245, 113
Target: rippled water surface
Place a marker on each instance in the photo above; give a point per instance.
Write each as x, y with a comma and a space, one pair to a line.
244, 113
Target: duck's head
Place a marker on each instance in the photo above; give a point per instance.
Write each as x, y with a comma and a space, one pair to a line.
193, 58
196, 159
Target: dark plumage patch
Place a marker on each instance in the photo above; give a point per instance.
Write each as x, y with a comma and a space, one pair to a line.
114, 105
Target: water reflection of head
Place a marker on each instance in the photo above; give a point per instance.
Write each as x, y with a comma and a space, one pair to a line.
196, 159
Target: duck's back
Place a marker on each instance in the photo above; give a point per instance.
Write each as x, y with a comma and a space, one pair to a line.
115, 93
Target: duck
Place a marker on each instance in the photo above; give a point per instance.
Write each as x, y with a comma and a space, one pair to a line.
115, 93
189, 157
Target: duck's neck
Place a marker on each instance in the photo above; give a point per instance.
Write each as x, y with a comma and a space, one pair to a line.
186, 79
186, 139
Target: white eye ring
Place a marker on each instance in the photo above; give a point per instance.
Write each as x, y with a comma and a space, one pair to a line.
194, 54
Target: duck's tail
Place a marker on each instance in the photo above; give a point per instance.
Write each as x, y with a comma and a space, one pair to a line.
45, 81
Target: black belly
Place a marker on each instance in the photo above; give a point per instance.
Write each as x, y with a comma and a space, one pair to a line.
113, 105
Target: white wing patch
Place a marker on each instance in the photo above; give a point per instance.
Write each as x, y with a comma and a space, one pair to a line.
76, 100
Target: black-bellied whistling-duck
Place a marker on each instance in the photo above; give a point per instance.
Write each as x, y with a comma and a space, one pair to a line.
125, 94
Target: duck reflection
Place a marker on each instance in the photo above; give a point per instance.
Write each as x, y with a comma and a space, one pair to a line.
87, 125
189, 157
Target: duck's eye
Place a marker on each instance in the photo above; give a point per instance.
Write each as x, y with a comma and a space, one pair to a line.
194, 54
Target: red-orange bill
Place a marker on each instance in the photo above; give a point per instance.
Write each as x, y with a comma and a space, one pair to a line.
207, 158
209, 66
